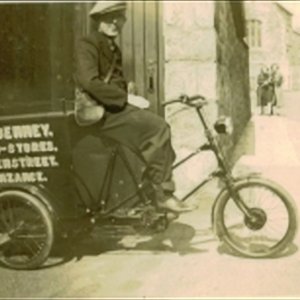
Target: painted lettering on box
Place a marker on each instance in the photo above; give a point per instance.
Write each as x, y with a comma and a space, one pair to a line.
26, 152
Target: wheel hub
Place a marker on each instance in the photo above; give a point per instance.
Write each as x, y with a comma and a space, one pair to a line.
256, 220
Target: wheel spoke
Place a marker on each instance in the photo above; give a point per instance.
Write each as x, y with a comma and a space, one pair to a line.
274, 227
3, 218
27, 245
17, 248
30, 236
10, 213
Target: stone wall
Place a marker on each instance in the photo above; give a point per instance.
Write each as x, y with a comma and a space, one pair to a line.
203, 54
189, 47
232, 69
190, 51
200, 60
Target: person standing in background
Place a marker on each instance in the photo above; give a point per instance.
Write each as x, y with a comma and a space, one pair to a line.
264, 89
276, 84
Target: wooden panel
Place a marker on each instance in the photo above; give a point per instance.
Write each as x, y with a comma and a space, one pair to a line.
161, 60
138, 46
38, 56
25, 57
151, 54
142, 48
82, 23
55, 14
61, 52
127, 45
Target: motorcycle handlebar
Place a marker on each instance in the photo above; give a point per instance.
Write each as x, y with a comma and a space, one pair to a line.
188, 100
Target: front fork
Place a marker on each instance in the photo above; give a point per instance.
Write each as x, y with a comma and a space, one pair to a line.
229, 182
225, 170
226, 175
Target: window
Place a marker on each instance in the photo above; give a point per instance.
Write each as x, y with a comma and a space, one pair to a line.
254, 33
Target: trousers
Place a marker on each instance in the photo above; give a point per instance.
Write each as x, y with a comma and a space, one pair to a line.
149, 135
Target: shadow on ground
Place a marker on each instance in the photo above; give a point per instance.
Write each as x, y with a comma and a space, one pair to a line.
176, 239
289, 251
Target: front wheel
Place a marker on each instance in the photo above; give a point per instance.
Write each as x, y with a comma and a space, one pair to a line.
26, 230
270, 224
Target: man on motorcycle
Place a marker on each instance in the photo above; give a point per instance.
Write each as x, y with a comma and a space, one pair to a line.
99, 74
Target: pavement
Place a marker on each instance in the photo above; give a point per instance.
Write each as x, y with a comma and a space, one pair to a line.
270, 145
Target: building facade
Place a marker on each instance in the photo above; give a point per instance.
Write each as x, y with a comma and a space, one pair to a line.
271, 39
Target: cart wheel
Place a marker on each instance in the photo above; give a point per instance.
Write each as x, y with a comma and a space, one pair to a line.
270, 226
26, 230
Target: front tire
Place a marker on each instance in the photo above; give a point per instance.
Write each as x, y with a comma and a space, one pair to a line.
26, 230
272, 223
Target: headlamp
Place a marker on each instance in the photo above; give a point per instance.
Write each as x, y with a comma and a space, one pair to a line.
223, 125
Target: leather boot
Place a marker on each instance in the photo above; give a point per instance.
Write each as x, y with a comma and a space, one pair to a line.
172, 203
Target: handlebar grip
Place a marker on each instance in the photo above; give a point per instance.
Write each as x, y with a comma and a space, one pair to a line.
196, 97
184, 99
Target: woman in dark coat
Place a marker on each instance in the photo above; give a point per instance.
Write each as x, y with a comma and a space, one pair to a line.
264, 89
277, 81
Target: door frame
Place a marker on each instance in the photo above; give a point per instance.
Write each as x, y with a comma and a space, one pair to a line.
142, 41
133, 42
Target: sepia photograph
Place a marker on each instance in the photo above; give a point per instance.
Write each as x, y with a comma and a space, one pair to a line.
149, 149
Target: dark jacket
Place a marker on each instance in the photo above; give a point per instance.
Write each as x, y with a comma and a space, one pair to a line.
264, 89
94, 56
